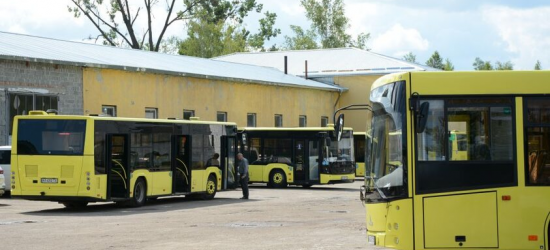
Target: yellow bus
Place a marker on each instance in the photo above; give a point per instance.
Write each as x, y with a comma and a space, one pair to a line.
459, 160
359, 148
75, 160
298, 156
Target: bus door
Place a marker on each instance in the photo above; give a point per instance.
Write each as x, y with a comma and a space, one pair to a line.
315, 160
181, 164
118, 170
227, 163
300, 164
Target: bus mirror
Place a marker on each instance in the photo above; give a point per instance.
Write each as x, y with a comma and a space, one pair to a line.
422, 117
339, 127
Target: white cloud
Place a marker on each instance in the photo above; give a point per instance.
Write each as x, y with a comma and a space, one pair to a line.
398, 41
525, 32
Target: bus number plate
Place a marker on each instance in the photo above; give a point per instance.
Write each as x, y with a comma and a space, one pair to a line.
49, 180
344, 177
372, 240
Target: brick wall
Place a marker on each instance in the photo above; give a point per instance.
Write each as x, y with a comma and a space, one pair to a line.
39, 78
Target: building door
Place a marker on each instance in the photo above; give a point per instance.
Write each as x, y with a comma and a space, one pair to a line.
300, 163
315, 160
117, 166
181, 164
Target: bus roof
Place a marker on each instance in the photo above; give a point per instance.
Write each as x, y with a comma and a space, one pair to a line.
128, 119
497, 82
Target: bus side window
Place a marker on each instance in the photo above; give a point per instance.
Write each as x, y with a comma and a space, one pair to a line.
537, 121
431, 142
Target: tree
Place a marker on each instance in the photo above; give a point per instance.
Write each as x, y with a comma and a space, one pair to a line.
504, 66
301, 40
410, 57
448, 66
206, 39
108, 16
482, 65
361, 41
538, 66
266, 31
435, 61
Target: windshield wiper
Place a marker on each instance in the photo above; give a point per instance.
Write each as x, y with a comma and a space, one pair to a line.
377, 188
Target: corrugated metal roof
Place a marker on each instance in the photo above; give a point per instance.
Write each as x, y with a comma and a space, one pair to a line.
327, 62
39, 49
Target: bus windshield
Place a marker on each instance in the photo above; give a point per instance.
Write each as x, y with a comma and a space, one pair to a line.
387, 169
341, 151
50, 137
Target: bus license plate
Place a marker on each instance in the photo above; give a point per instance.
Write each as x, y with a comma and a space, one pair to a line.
372, 240
344, 177
49, 180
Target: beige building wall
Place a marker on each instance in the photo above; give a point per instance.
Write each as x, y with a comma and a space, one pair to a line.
358, 93
132, 92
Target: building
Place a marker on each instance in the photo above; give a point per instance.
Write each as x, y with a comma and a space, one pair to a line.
351, 68
77, 78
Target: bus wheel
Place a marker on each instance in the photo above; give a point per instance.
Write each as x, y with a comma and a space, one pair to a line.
75, 204
278, 179
140, 194
211, 186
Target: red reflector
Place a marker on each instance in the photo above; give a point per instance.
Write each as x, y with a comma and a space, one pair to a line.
533, 238
64, 133
1, 171
506, 197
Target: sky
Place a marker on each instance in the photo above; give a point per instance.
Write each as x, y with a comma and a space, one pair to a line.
460, 30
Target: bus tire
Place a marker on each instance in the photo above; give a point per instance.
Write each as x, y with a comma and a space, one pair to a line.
140, 194
277, 179
75, 204
211, 188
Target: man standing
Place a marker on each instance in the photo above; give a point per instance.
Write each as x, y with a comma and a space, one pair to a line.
243, 170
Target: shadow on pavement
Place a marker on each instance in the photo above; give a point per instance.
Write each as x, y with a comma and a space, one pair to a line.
312, 188
154, 206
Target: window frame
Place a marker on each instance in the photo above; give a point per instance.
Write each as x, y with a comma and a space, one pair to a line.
526, 126
113, 107
300, 121
324, 118
154, 111
190, 111
511, 164
224, 116
254, 117
280, 116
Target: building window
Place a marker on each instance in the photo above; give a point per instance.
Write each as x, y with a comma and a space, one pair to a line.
151, 113
187, 114
251, 120
108, 110
303, 121
21, 104
278, 121
324, 121
222, 116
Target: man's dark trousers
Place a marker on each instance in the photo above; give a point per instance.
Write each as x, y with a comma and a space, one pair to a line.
244, 186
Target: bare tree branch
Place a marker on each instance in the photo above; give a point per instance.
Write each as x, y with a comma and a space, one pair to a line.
96, 24
149, 28
134, 44
168, 22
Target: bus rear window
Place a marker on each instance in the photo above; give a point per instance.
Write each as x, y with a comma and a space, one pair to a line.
51, 137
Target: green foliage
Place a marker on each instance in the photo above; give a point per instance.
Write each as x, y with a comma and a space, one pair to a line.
329, 22
538, 65
435, 61
504, 66
207, 40
361, 41
266, 31
301, 40
448, 66
410, 57
115, 19
486, 65
482, 65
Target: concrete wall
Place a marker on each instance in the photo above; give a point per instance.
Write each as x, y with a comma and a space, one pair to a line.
132, 92
39, 78
358, 93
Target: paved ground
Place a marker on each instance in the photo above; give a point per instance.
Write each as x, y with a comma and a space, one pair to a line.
324, 217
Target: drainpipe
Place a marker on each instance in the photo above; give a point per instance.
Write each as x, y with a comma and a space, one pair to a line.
286, 65
306, 69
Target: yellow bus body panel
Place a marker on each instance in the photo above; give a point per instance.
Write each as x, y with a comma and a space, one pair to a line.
162, 182
391, 223
326, 178
261, 173
360, 169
